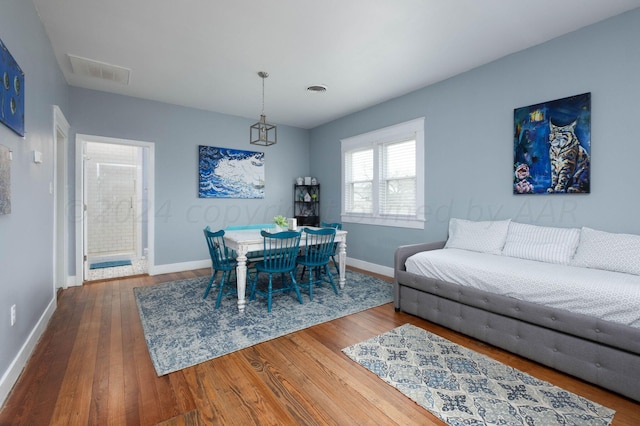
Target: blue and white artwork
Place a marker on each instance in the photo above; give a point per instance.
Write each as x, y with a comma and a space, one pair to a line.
230, 173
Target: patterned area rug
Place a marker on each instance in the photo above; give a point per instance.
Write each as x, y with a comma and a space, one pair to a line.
182, 329
463, 387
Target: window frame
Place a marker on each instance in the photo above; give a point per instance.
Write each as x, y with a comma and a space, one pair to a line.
376, 140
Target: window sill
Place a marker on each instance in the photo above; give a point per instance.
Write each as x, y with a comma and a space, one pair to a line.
396, 222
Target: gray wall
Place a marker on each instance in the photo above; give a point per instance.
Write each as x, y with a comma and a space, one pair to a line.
176, 132
469, 139
26, 235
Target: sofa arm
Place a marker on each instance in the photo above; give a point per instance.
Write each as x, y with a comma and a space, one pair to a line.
403, 252
401, 255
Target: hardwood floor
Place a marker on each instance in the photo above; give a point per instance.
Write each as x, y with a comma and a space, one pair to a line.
91, 367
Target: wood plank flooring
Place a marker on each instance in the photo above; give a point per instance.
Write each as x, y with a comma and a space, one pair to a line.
92, 367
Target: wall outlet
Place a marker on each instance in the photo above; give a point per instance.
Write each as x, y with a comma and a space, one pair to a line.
13, 315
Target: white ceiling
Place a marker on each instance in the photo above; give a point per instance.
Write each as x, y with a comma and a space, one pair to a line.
206, 53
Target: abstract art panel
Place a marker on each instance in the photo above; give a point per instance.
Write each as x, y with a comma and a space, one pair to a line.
230, 173
11, 92
5, 180
552, 147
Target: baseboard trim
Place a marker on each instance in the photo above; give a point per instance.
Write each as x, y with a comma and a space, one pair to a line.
179, 267
10, 377
373, 267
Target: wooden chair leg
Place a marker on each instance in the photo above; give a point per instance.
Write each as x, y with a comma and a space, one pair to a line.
294, 284
220, 290
206, 292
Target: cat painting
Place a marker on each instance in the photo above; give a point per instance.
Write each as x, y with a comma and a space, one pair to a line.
568, 159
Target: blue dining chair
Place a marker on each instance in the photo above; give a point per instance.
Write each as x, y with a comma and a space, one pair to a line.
279, 257
316, 256
337, 226
221, 261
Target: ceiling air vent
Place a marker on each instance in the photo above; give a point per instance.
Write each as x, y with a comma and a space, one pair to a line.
89, 68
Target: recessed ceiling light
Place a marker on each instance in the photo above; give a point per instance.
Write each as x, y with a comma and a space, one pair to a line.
318, 88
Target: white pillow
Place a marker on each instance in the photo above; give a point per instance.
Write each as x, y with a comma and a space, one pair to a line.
604, 250
541, 243
485, 237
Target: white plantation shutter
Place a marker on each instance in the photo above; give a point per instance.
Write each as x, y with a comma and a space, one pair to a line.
383, 176
398, 178
359, 181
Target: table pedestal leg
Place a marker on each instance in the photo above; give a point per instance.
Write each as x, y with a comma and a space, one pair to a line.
342, 257
241, 279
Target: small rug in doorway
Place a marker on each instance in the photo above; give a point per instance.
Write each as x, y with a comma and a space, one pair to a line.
110, 264
181, 329
463, 387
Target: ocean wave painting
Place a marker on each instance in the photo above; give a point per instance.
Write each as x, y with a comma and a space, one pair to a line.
230, 173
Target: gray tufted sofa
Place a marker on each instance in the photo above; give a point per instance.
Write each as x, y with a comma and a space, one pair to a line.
604, 353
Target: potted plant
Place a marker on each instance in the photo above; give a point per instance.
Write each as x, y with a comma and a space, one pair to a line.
281, 223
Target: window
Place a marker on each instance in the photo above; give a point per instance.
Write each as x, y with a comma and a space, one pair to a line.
383, 176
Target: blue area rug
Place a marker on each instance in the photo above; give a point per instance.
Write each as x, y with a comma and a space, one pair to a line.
111, 264
182, 329
463, 387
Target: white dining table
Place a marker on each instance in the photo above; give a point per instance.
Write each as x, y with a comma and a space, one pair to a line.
244, 241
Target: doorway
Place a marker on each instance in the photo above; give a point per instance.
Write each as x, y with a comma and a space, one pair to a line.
116, 197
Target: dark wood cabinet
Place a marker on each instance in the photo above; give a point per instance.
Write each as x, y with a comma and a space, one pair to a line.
306, 204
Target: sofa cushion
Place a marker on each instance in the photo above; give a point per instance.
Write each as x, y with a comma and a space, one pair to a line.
541, 243
483, 236
605, 250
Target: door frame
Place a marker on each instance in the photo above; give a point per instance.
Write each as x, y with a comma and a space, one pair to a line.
60, 190
80, 211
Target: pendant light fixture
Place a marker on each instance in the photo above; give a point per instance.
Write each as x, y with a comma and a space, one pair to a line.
263, 133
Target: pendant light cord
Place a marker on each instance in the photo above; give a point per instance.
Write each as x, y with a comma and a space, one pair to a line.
263, 95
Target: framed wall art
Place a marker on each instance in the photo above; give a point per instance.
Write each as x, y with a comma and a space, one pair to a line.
11, 92
230, 173
552, 147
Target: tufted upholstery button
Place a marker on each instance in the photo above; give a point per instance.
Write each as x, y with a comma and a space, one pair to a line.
555, 349
597, 330
598, 364
553, 318
485, 300
517, 308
